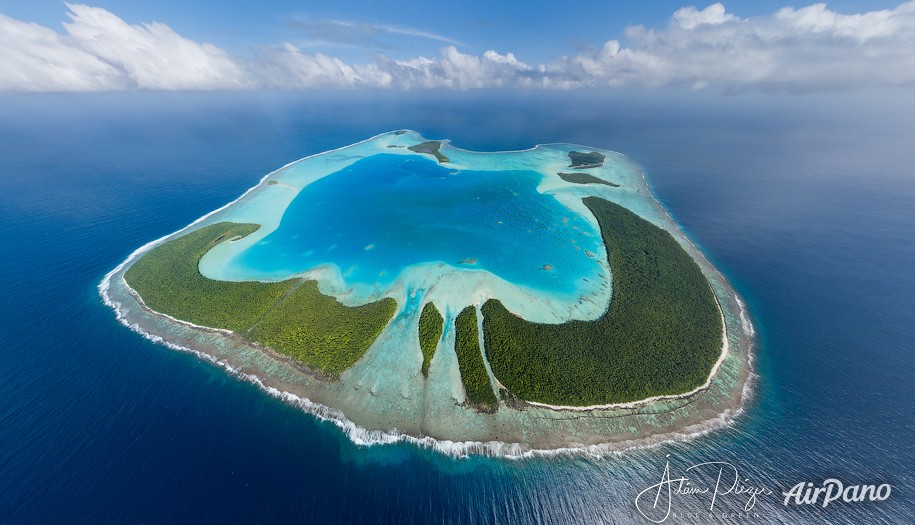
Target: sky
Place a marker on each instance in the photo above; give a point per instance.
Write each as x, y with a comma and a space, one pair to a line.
117, 45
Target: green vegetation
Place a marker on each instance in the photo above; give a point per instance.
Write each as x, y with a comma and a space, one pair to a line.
320, 332
272, 182
586, 160
431, 324
430, 148
661, 334
169, 282
470, 361
585, 178
291, 316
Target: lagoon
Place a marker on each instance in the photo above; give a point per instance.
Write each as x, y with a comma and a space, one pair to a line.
386, 212
471, 228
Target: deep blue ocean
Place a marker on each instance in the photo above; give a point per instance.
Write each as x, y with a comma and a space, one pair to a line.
806, 202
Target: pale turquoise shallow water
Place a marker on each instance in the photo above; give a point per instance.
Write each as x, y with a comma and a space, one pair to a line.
385, 212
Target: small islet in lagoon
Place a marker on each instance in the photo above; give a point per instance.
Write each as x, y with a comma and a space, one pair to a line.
508, 303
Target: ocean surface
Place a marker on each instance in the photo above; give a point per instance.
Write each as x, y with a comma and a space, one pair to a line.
805, 202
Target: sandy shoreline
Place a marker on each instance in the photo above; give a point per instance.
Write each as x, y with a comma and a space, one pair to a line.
374, 410
642, 402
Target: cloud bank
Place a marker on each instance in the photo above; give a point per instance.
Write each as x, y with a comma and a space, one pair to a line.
101, 52
806, 49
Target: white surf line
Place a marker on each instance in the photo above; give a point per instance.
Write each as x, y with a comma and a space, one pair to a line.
170, 318
106, 280
152, 244
365, 437
458, 449
536, 146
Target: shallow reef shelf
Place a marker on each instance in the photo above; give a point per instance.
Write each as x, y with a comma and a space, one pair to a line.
369, 280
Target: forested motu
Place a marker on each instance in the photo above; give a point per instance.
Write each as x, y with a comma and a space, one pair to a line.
430, 332
470, 361
291, 317
660, 335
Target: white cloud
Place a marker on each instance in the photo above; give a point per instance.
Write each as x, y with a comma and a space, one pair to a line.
288, 67
861, 27
34, 58
805, 49
152, 56
332, 32
690, 17
99, 51
417, 33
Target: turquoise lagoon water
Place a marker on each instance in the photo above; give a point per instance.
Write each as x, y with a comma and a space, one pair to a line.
385, 212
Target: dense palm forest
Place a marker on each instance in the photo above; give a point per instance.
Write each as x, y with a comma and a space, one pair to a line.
291, 317
660, 335
431, 324
470, 360
580, 177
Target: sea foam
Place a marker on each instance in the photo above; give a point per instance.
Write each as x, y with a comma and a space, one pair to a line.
457, 448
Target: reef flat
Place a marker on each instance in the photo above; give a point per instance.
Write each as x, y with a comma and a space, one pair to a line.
473, 302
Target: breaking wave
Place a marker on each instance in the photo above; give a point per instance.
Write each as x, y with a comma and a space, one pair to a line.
459, 449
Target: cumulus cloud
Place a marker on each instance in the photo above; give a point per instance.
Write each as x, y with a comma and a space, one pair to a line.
690, 17
288, 67
99, 51
794, 49
804, 49
34, 58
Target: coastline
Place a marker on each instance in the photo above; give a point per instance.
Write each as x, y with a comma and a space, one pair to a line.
456, 448
725, 346
663, 418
